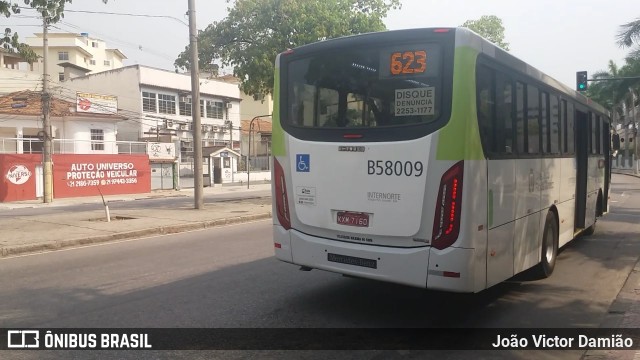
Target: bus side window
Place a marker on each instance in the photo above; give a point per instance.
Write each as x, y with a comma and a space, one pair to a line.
533, 120
555, 126
503, 131
520, 116
570, 127
598, 125
485, 103
544, 116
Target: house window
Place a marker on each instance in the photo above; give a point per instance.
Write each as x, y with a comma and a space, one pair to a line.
97, 139
92, 62
61, 76
31, 144
214, 109
63, 55
185, 106
107, 63
149, 102
94, 44
166, 104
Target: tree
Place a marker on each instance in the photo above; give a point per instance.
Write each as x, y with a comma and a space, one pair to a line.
52, 10
255, 31
629, 33
609, 94
628, 36
490, 27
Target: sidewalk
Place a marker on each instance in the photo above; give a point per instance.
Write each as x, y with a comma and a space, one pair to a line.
624, 312
65, 228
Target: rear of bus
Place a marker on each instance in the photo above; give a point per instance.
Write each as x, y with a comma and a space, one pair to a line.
368, 165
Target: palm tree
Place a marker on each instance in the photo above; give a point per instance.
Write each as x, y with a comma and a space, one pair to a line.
610, 93
629, 33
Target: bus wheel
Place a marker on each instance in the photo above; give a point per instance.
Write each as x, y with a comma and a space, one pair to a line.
549, 247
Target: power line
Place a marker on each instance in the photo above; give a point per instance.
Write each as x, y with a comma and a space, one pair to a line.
113, 13
117, 41
129, 14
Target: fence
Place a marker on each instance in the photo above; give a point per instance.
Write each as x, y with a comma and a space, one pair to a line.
69, 146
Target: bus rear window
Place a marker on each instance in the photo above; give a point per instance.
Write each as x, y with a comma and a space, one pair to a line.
365, 87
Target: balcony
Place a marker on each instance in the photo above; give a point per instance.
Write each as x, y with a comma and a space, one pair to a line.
67, 146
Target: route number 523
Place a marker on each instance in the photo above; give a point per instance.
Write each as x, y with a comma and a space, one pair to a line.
408, 62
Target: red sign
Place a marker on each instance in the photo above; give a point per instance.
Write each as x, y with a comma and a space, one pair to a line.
84, 104
18, 179
90, 175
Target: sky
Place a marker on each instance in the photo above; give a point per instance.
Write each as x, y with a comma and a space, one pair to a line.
558, 37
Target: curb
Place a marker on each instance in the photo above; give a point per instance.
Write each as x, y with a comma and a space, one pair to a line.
622, 173
7, 251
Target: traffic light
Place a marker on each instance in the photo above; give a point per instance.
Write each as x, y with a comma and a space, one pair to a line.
581, 81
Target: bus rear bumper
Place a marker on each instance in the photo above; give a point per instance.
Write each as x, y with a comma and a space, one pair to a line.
406, 266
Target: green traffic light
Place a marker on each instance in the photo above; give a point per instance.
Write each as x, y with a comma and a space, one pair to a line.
581, 86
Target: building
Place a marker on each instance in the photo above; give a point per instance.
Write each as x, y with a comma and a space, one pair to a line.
252, 105
72, 55
256, 142
74, 132
14, 76
158, 105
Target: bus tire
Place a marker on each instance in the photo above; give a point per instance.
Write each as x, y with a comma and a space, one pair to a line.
549, 248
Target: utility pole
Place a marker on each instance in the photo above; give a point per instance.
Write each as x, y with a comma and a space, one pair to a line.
195, 106
230, 141
47, 168
634, 132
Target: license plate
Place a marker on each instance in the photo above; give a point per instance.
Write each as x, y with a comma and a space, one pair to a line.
352, 260
353, 218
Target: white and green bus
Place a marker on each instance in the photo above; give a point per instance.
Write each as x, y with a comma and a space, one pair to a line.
431, 158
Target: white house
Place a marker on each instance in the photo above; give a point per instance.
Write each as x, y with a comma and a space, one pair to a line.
74, 132
158, 105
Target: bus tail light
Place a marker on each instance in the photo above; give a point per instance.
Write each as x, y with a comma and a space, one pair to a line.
446, 223
282, 203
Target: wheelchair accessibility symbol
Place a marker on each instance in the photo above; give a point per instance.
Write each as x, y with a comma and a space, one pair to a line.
302, 162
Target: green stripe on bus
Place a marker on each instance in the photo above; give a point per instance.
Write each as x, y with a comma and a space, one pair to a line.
460, 138
277, 136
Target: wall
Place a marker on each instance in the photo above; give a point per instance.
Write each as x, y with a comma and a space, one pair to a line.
252, 108
19, 80
18, 180
80, 130
257, 176
90, 175
75, 175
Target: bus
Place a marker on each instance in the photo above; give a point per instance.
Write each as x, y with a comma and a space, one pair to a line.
430, 158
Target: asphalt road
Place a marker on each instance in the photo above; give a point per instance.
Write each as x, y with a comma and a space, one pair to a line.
172, 202
227, 277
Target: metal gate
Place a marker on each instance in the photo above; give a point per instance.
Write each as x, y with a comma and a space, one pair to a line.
162, 176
